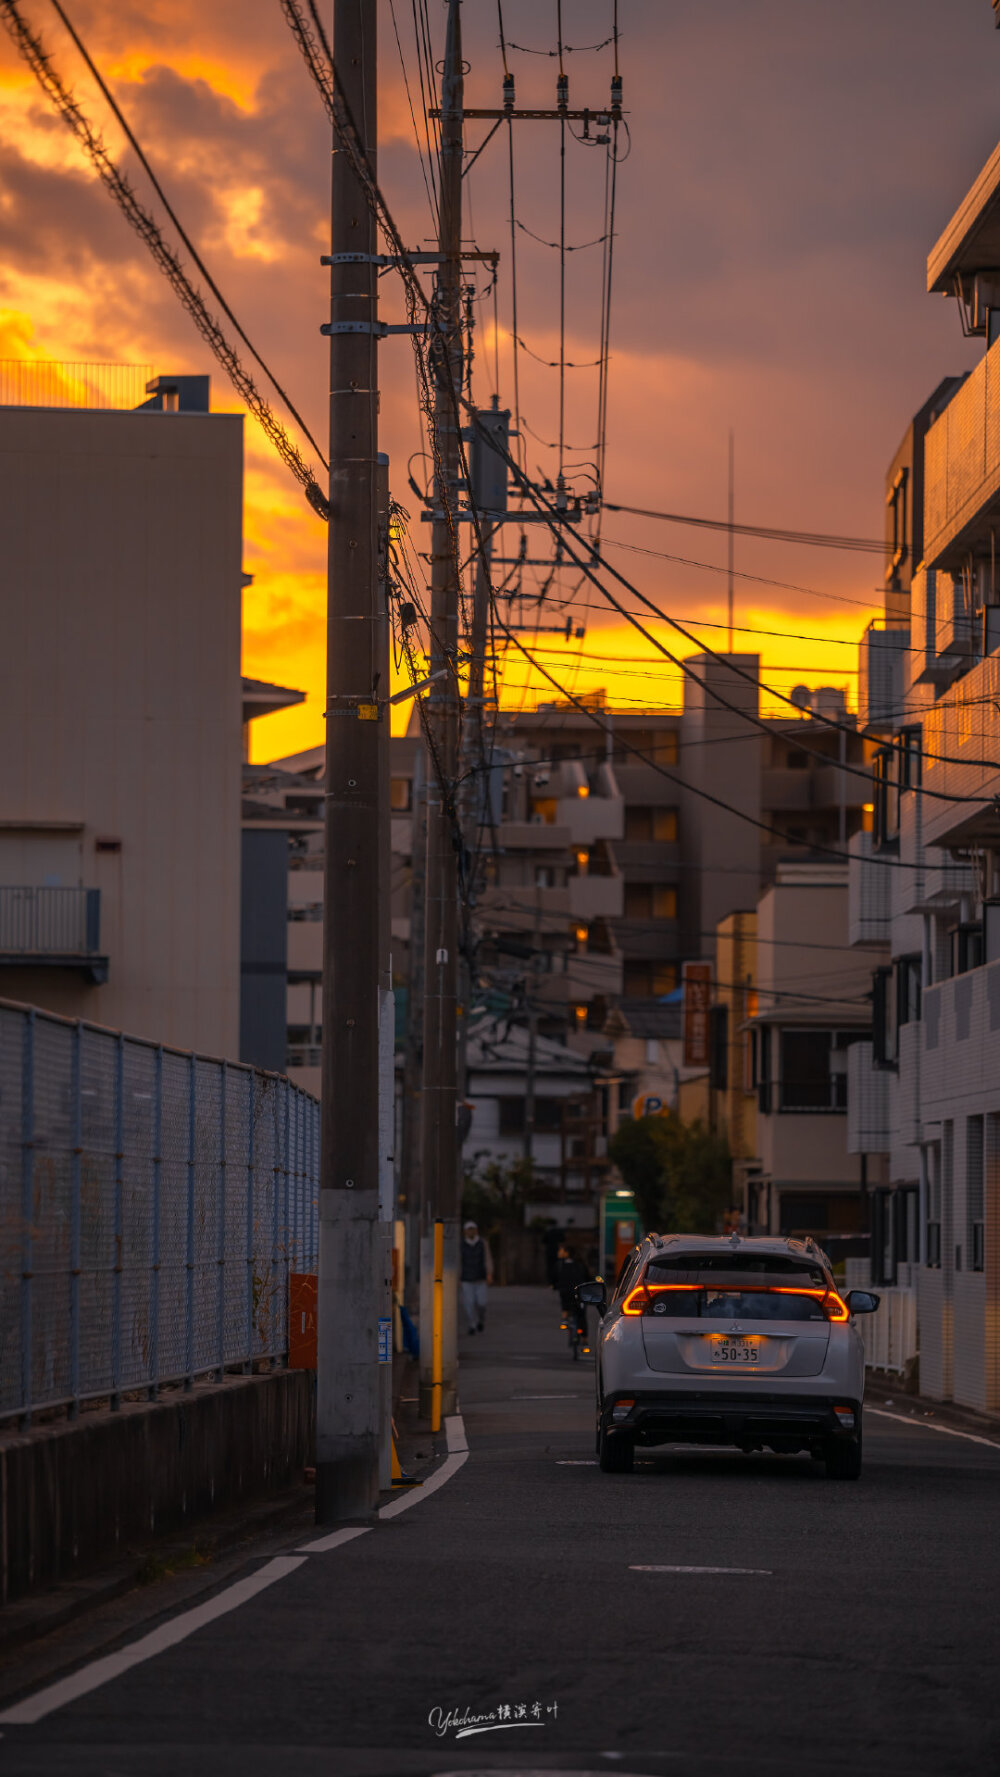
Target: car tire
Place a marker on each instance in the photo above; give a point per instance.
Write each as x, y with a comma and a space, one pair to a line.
843, 1459
615, 1452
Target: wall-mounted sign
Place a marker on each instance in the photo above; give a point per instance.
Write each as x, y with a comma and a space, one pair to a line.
697, 1004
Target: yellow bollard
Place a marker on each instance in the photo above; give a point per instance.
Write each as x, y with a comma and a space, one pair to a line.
438, 1325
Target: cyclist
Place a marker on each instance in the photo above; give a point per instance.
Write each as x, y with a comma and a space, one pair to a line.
571, 1270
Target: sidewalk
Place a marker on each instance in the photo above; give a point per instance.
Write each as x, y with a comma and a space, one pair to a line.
885, 1391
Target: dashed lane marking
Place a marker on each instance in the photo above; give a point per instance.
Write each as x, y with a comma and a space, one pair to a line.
764, 1572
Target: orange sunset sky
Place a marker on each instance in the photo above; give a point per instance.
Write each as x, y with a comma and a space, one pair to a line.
792, 163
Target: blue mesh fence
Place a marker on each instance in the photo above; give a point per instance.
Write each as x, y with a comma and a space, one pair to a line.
152, 1205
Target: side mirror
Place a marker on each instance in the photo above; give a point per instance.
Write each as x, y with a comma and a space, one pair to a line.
862, 1302
591, 1295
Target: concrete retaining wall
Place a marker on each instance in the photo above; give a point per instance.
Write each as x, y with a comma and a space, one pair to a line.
74, 1496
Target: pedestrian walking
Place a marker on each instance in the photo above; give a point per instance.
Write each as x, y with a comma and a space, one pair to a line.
476, 1274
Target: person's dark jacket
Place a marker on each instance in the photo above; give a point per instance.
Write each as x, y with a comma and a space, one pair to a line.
474, 1260
570, 1272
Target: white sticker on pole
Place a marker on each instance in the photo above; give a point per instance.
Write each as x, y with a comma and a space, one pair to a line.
384, 1340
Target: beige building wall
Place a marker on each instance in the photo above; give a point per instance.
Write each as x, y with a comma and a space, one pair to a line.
120, 706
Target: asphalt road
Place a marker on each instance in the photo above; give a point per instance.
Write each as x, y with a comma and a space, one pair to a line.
865, 1638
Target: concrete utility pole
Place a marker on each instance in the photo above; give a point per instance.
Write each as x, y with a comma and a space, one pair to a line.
353, 1290
441, 1190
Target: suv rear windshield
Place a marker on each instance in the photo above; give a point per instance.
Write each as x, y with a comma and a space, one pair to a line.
735, 1268
742, 1305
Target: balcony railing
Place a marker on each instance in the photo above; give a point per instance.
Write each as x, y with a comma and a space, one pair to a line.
962, 467
52, 927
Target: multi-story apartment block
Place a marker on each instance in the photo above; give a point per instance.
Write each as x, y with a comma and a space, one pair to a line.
926, 1095
120, 713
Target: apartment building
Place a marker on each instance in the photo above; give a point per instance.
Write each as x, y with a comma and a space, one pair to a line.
927, 1092
120, 710
813, 1004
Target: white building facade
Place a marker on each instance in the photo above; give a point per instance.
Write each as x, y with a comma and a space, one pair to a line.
925, 1099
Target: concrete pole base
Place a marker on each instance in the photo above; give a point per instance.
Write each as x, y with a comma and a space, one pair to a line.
343, 1491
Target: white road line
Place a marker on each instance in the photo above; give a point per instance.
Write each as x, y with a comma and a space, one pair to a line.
925, 1425
98, 1672
764, 1571
550, 1397
576, 1462
323, 1544
449, 1467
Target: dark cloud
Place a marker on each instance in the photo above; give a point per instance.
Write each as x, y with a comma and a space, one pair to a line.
792, 163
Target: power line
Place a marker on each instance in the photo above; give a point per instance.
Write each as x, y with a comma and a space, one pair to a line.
771, 533
686, 561
697, 790
175, 219
564, 528
33, 52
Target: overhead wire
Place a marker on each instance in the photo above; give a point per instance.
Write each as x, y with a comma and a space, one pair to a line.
426, 172
564, 529
770, 533
33, 52
143, 160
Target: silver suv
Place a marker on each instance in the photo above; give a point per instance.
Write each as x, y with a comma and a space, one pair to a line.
743, 1342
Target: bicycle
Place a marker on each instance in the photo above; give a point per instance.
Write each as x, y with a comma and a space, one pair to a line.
574, 1323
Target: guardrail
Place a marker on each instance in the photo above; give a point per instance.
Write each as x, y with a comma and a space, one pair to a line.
152, 1205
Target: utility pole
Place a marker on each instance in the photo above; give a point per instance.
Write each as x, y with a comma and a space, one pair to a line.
441, 1193
353, 1258
531, 985
731, 558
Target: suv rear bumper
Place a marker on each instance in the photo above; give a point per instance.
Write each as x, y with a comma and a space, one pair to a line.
746, 1420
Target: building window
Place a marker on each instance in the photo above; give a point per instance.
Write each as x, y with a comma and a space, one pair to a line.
639, 825
975, 1159
660, 745
885, 827
884, 1022
646, 826
908, 990
401, 795
664, 901
761, 1062
548, 1116
897, 501
664, 977
910, 759
638, 900
718, 1050
813, 1069
967, 949
934, 1171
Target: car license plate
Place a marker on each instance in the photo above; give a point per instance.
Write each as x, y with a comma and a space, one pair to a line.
727, 1350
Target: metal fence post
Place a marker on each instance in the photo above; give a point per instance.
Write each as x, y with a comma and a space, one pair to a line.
119, 1236
275, 1170
189, 1330
221, 1256
250, 1224
154, 1282
27, 1207
75, 1176
287, 1094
